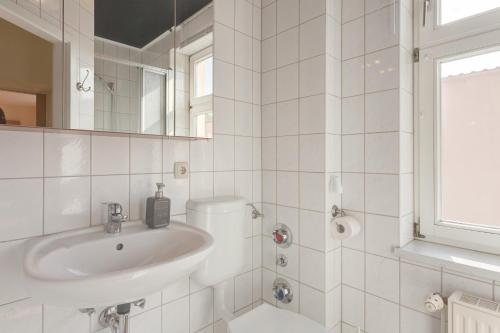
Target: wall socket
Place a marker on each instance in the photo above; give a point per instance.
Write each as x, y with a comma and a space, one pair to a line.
181, 169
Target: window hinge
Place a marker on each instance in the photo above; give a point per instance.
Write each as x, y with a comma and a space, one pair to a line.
416, 230
416, 55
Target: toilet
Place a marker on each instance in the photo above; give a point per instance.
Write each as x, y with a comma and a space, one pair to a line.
224, 218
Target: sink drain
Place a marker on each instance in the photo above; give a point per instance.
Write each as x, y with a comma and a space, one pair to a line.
119, 247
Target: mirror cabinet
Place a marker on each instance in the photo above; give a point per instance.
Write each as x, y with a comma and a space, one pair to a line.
129, 66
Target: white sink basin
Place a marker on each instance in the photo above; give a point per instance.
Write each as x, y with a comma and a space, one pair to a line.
89, 267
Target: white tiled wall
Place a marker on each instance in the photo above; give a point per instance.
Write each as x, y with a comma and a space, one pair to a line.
52, 170
301, 150
377, 146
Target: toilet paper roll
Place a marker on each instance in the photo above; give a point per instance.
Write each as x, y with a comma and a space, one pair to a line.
345, 227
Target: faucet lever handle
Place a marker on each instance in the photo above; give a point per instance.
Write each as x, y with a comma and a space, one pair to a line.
115, 208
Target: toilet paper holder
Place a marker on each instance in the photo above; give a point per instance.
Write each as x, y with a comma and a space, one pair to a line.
337, 212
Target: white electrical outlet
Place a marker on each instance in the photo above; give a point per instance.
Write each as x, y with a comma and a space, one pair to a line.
181, 170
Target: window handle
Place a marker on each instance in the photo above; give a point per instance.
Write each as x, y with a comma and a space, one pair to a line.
427, 4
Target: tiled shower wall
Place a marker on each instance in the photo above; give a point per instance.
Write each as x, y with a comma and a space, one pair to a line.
301, 151
52, 181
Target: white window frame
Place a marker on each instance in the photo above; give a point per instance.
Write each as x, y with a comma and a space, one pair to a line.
195, 102
448, 41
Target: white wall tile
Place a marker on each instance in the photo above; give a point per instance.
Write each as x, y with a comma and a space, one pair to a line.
287, 82
176, 316
269, 54
110, 155
269, 21
311, 76
382, 72
287, 118
287, 15
312, 303
382, 194
417, 283
224, 43
243, 17
224, 88
381, 29
312, 111
377, 308
352, 9
475, 287
24, 150
224, 12
382, 277
66, 154
174, 151
352, 80
287, 156
382, 152
287, 44
353, 197
312, 268
353, 268
312, 153
66, 204
200, 309
353, 306
353, 149
145, 155
415, 322
287, 184
311, 9
21, 317
382, 111
313, 38
312, 193
17, 221
353, 39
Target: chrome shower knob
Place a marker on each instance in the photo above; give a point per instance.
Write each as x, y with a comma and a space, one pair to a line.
281, 260
282, 235
282, 291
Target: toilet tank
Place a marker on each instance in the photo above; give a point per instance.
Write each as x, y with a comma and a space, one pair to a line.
224, 218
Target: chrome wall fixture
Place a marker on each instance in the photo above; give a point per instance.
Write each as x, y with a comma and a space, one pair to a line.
255, 212
281, 260
282, 291
282, 235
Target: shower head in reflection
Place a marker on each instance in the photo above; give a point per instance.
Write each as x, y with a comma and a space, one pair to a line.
110, 86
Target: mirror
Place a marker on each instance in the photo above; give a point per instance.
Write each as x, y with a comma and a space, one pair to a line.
31, 66
142, 67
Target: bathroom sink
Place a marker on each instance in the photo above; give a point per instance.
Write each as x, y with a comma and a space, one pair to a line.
87, 268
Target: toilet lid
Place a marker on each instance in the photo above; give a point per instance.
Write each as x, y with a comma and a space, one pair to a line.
268, 319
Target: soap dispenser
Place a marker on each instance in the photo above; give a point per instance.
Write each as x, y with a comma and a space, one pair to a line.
158, 209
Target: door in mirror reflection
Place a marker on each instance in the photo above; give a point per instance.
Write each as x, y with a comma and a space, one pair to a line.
30, 74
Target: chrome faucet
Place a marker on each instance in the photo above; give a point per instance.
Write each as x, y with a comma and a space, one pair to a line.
115, 218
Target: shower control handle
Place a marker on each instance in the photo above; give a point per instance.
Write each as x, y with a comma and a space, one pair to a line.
282, 291
282, 235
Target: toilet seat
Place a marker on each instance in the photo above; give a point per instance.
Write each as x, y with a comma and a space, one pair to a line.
269, 319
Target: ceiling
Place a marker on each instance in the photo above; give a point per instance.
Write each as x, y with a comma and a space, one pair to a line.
138, 22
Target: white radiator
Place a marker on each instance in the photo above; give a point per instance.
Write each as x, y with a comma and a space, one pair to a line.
471, 314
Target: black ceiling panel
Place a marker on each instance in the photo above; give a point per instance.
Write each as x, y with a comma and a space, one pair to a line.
138, 22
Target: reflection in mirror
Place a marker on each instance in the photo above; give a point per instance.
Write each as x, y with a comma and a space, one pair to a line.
133, 57
194, 69
129, 66
30, 73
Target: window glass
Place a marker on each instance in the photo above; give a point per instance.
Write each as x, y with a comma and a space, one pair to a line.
203, 77
454, 10
470, 139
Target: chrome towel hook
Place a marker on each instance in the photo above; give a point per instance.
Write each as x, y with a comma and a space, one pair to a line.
81, 85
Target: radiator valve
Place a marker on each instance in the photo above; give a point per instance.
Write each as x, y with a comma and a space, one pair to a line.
434, 303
